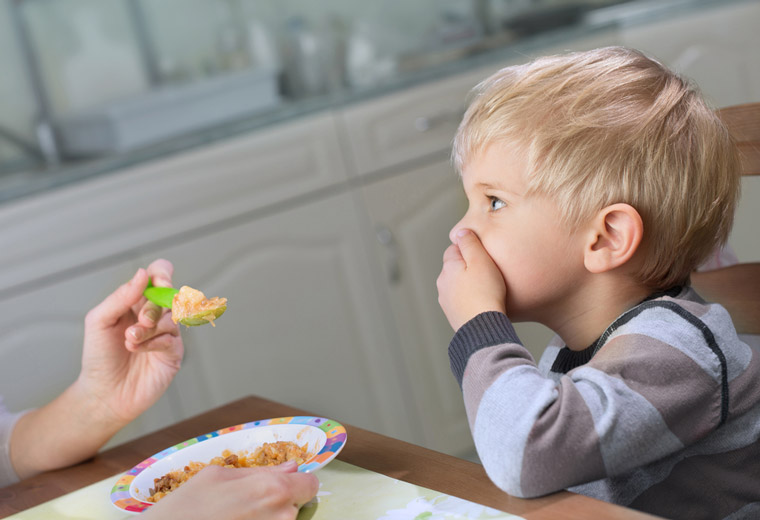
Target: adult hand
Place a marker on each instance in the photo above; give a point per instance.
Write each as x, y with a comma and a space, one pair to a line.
470, 282
132, 349
271, 493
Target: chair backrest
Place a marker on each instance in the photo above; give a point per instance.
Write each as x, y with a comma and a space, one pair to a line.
737, 287
743, 121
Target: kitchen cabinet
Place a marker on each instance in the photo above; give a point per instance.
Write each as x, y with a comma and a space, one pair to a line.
411, 215
411, 197
400, 145
325, 234
283, 222
66, 249
302, 321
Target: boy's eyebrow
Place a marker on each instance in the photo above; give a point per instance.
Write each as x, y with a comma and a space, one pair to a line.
495, 186
482, 184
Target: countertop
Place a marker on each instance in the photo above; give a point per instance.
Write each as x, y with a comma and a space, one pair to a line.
428, 67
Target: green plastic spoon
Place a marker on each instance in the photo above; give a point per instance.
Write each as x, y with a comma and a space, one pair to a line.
161, 296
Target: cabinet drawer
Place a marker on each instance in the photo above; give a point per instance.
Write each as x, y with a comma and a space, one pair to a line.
406, 125
118, 213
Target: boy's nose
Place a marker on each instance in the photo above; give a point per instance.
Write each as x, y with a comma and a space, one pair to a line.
453, 233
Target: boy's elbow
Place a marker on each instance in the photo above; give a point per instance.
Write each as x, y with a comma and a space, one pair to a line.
505, 475
511, 479
516, 488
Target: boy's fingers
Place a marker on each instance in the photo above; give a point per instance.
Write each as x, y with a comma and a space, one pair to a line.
119, 302
452, 254
469, 245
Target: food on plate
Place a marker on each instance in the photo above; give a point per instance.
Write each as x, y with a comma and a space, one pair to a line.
191, 307
269, 454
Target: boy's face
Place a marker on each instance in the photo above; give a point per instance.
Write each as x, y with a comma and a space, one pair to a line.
540, 258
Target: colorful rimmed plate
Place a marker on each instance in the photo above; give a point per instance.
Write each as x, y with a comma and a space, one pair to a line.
325, 438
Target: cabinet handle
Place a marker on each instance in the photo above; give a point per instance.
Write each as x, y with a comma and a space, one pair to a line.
393, 264
427, 123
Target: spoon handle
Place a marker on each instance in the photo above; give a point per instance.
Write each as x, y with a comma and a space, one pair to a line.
161, 296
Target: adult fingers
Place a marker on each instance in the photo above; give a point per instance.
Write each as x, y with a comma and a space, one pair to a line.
160, 272
150, 314
108, 312
304, 487
159, 336
299, 487
163, 342
289, 466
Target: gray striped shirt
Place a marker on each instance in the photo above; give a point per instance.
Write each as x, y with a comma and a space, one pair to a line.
661, 414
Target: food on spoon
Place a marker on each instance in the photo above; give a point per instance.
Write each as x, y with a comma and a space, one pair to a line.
191, 307
269, 454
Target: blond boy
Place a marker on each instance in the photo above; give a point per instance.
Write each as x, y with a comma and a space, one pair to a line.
597, 182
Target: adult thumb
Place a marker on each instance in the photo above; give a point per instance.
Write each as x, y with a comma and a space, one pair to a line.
289, 466
119, 302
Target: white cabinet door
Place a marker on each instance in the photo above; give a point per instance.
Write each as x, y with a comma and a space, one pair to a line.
411, 215
302, 322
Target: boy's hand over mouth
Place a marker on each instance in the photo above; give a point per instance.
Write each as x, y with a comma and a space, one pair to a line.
470, 282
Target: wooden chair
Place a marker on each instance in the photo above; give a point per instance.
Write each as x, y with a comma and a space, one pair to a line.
737, 287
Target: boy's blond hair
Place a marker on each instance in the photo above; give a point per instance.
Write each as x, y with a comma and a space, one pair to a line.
608, 126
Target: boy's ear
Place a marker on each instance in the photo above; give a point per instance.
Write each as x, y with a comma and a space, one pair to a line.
614, 236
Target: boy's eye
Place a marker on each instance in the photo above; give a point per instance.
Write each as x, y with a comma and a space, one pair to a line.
496, 203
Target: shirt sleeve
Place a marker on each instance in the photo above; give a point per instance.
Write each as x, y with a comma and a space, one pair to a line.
7, 422
640, 398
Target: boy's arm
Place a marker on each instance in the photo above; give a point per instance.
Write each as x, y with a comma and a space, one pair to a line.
639, 399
